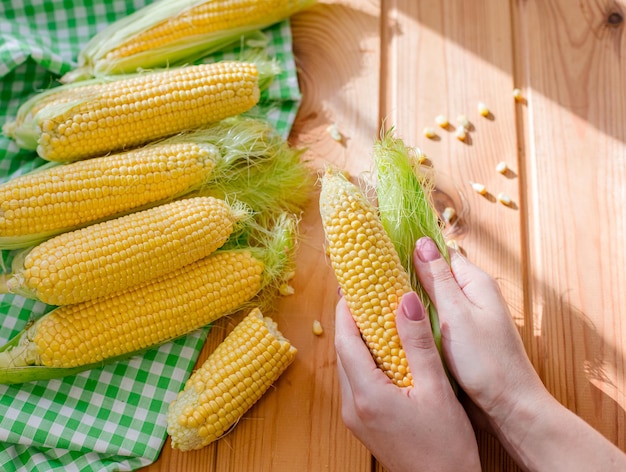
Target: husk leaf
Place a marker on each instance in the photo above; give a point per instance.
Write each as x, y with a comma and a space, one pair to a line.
407, 211
93, 60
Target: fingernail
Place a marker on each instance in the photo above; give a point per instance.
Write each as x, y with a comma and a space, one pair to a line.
339, 292
412, 307
427, 250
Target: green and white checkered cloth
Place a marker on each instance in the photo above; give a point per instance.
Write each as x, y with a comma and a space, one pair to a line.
111, 418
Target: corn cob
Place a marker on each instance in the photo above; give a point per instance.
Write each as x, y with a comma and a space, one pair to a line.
229, 382
60, 198
166, 33
368, 270
236, 158
114, 115
104, 258
73, 338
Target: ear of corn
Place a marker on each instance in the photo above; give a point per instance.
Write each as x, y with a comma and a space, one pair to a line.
104, 258
368, 270
79, 121
167, 33
406, 210
236, 158
43, 203
229, 382
82, 336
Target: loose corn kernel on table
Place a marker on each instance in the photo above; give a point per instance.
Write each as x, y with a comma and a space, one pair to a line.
555, 248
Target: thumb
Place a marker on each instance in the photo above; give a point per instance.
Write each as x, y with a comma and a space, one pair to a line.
416, 336
452, 286
437, 278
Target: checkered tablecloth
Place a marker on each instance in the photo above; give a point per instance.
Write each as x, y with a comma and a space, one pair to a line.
111, 418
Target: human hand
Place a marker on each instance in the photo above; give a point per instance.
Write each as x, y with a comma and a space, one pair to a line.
485, 354
481, 345
419, 428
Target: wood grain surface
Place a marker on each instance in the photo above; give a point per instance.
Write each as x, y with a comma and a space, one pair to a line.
557, 252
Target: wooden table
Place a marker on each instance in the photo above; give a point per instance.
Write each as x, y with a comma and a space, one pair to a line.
558, 252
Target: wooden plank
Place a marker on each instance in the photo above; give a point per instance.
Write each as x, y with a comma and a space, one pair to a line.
575, 161
442, 58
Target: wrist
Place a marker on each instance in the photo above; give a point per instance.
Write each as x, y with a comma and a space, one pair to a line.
520, 422
517, 410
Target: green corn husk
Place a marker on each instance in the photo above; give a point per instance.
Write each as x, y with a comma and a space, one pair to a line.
255, 165
406, 210
275, 245
97, 58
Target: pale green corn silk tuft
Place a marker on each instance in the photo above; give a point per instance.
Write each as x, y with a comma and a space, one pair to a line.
404, 199
406, 209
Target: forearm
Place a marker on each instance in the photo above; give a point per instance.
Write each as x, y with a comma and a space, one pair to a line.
542, 435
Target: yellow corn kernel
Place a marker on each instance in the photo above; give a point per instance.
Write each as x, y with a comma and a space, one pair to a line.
504, 199
128, 112
108, 257
464, 121
483, 110
460, 133
517, 95
442, 121
479, 188
286, 289
334, 133
449, 215
502, 167
430, 132
318, 330
233, 378
63, 197
368, 270
419, 156
141, 317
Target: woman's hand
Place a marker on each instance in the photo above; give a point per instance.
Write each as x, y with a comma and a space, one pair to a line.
485, 354
481, 345
419, 428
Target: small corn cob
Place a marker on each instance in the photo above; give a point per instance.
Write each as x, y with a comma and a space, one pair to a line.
368, 270
74, 338
229, 382
166, 33
236, 158
104, 258
114, 115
